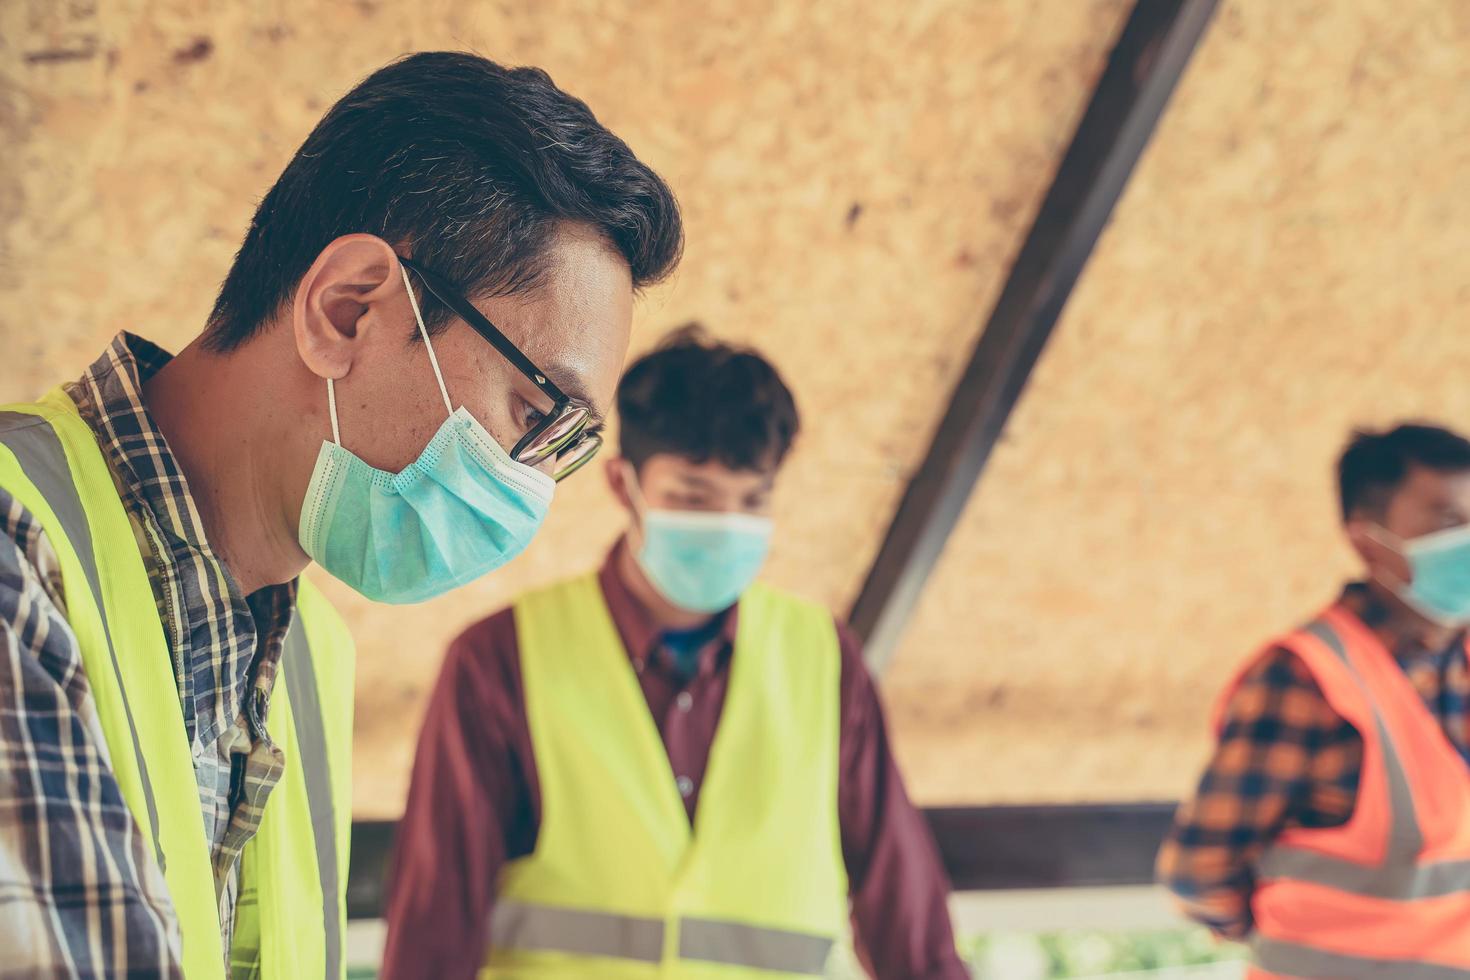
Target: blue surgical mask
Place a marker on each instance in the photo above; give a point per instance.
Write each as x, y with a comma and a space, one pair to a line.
460, 510
1440, 585
701, 561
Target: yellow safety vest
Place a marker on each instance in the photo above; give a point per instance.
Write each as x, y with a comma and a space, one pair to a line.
619, 886
293, 872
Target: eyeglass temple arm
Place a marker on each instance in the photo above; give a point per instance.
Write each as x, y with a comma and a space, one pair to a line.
482, 326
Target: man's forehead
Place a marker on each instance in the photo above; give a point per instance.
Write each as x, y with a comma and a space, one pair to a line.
584, 312
713, 471
575, 381
1458, 485
1429, 487
580, 357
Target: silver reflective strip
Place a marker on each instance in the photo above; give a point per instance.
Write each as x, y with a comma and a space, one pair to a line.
1405, 842
752, 946
306, 713
1400, 876
41, 456
1404, 881
1290, 959
516, 925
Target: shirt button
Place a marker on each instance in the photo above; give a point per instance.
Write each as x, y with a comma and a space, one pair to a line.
686, 786
684, 701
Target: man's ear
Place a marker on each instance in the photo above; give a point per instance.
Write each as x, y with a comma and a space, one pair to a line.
329, 313
616, 470
1385, 562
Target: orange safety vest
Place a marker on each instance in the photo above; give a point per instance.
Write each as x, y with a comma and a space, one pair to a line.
1386, 895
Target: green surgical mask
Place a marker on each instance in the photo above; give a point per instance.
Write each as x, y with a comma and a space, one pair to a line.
700, 561
460, 510
1439, 586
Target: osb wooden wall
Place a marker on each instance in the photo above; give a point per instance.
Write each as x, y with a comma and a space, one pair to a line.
1292, 259
855, 178
1289, 261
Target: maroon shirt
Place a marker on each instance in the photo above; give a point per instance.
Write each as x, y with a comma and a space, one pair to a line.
475, 804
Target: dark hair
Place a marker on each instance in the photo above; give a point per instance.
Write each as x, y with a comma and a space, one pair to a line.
1375, 464
704, 400
468, 166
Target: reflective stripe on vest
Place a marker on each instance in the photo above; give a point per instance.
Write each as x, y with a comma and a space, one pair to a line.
1291, 960
43, 460
546, 928
521, 925
760, 948
311, 740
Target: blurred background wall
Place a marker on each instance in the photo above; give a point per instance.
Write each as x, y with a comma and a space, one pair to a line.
1289, 260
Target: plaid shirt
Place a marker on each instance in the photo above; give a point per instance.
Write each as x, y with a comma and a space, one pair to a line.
1286, 759
80, 893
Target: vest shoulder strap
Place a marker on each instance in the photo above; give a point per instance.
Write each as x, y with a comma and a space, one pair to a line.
51, 464
1322, 649
294, 870
35, 468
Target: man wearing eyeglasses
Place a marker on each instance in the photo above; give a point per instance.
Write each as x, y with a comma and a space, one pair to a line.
418, 337
664, 768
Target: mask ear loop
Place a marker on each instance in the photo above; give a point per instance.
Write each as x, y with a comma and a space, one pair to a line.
332, 411
635, 492
1382, 537
424, 332
635, 495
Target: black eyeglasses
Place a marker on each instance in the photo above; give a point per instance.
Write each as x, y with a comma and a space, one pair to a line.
563, 435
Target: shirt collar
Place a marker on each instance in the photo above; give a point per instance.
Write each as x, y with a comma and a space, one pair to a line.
640, 634
110, 397
208, 604
1406, 641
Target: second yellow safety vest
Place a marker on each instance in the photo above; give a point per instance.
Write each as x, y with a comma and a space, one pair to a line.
619, 887
293, 873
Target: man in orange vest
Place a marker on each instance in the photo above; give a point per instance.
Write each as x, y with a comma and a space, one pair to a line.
1332, 827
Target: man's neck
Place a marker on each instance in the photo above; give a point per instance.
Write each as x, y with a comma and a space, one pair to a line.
226, 429
1406, 626
665, 616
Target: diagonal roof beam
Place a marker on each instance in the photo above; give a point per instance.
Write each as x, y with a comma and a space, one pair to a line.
1145, 66
984, 848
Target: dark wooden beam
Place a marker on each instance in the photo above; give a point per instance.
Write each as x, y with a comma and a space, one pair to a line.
983, 848
367, 871
1142, 72
987, 848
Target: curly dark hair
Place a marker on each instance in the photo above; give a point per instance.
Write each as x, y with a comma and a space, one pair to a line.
704, 400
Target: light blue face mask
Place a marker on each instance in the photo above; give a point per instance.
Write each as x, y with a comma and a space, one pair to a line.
1440, 565
701, 561
463, 508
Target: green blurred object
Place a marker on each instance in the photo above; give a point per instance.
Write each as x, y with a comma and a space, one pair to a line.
1051, 955
1092, 953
